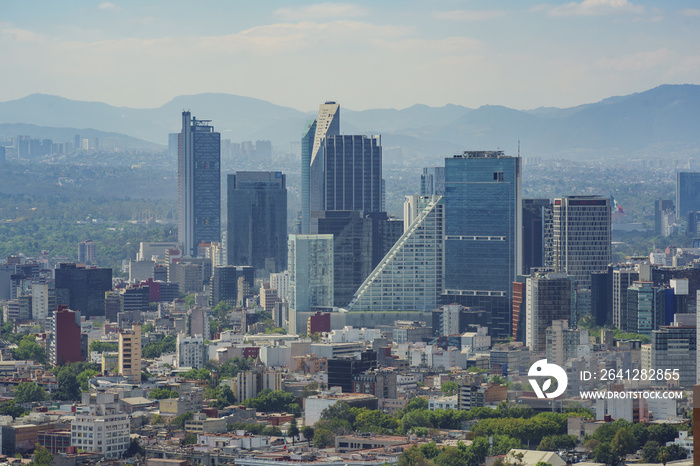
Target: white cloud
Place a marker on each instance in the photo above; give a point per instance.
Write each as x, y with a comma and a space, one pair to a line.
21, 35
322, 11
638, 61
469, 15
691, 12
107, 6
591, 8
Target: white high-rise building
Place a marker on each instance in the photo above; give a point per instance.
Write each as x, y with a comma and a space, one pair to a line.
40, 300
190, 351
280, 282
103, 428
310, 275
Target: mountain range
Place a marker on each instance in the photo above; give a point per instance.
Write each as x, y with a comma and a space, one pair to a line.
662, 121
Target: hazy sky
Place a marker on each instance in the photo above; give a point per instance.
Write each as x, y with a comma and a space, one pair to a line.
389, 53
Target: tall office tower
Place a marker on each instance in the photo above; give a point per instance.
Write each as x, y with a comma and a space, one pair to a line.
646, 310
130, 354
582, 241
549, 297
602, 297
352, 174
661, 207
622, 279
86, 252
23, 146
409, 277
66, 341
257, 221
432, 181
225, 281
312, 168
310, 266
687, 193
675, 347
83, 287
483, 233
359, 242
199, 184
173, 144
537, 215
307, 147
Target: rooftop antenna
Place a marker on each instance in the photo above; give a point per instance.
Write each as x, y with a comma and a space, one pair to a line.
518, 148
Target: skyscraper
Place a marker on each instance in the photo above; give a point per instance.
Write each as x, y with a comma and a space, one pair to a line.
483, 233
224, 283
432, 181
409, 277
310, 266
86, 252
687, 193
312, 169
581, 243
549, 297
257, 221
199, 184
352, 173
84, 288
130, 353
537, 220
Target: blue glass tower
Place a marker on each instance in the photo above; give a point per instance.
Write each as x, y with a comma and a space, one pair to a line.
483, 233
687, 193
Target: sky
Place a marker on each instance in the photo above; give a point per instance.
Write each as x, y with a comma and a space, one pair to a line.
388, 54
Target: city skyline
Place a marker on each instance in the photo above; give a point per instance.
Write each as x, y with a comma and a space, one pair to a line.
581, 51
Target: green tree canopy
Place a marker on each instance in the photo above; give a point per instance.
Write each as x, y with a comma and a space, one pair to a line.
28, 392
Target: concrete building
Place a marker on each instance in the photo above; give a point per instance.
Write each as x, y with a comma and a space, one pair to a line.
622, 278
675, 347
86, 252
85, 287
199, 184
191, 351
225, 284
280, 282
247, 384
65, 346
687, 193
103, 428
130, 354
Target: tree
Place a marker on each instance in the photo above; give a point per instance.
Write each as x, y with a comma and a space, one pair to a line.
42, 457
157, 419
162, 393
29, 349
602, 454
83, 378
28, 392
190, 439
11, 408
674, 452
323, 438
134, 449
308, 433
293, 430
68, 386
180, 420
414, 457
650, 452
102, 346
449, 388
623, 443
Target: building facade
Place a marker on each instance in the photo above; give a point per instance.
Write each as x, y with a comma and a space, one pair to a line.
582, 241
257, 221
199, 184
687, 193
483, 233
129, 362
310, 276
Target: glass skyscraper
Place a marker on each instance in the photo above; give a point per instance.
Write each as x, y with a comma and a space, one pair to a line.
199, 184
483, 232
687, 193
257, 221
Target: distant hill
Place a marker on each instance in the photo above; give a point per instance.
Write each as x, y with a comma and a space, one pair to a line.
653, 123
107, 140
